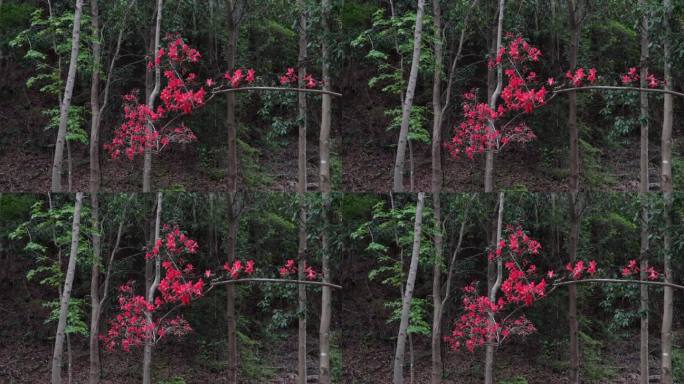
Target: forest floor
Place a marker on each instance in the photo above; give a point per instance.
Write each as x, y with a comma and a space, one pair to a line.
369, 168
363, 362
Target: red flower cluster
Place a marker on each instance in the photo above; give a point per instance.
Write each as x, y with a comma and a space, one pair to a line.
476, 327
174, 241
516, 241
237, 78
579, 76
632, 268
138, 320
484, 321
143, 126
290, 77
478, 132
290, 268
237, 268
580, 267
632, 75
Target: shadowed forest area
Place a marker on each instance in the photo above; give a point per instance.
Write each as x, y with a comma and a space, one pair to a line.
377, 249
396, 105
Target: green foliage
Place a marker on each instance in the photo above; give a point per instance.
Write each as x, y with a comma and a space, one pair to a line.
252, 173
47, 230
252, 366
678, 364
45, 38
75, 123
418, 131
388, 38
173, 380
419, 316
76, 316
394, 228
335, 359
593, 173
595, 368
514, 380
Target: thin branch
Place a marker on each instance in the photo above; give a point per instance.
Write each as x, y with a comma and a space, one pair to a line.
620, 281
617, 88
282, 89
276, 281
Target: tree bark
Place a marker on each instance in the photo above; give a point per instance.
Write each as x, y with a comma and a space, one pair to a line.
572, 290
56, 373
489, 348
56, 177
574, 24
231, 316
147, 352
489, 160
666, 186
398, 371
233, 23
436, 342
147, 166
301, 194
325, 187
643, 194
94, 181
94, 345
398, 184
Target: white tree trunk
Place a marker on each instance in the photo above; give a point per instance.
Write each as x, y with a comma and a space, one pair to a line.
147, 166
324, 181
398, 371
56, 373
56, 177
489, 349
666, 186
149, 344
398, 184
489, 159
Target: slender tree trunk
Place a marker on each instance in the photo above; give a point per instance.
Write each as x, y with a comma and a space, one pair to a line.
147, 352
325, 187
94, 180
572, 290
56, 178
398, 371
56, 373
233, 22
489, 349
398, 184
489, 159
666, 186
233, 222
147, 166
301, 195
94, 183
94, 373
572, 96
574, 23
643, 195
436, 342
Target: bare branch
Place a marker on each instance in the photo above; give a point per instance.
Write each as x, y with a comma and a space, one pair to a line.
620, 281
617, 88
276, 281
282, 89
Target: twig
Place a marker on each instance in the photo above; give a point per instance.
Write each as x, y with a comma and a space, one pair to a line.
277, 281
283, 89
616, 88
620, 281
